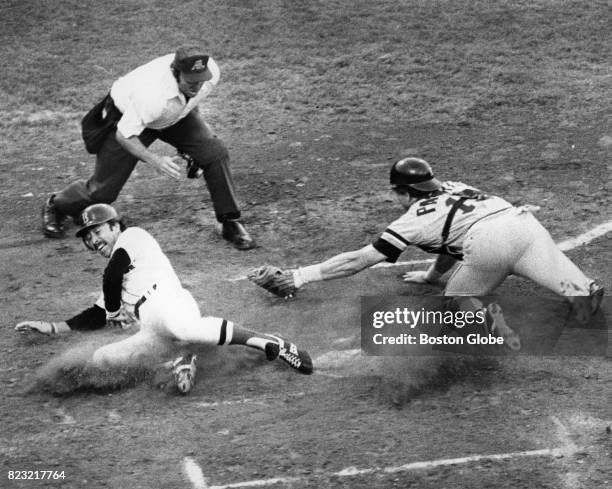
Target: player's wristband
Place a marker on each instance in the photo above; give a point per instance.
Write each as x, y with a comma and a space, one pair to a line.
305, 275
61, 327
113, 315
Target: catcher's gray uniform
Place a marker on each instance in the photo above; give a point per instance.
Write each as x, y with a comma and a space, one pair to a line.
491, 238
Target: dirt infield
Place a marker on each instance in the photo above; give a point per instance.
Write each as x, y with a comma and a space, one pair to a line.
316, 100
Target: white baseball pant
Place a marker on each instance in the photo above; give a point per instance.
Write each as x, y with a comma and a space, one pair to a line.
166, 317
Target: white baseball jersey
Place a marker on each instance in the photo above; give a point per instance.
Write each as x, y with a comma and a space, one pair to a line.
423, 223
167, 312
149, 266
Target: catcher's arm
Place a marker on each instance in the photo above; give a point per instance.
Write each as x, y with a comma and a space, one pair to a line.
345, 264
285, 283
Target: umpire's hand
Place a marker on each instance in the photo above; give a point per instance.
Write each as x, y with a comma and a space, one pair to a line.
166, 166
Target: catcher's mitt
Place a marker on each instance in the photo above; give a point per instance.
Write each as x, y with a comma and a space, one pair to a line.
273, 279
193, 170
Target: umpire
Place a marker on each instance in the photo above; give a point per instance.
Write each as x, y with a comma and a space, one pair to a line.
158, 100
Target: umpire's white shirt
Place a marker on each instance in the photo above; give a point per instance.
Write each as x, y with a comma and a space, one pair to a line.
149, 96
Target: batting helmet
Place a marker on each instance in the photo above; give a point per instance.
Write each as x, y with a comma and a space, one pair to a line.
94, 215
415, 174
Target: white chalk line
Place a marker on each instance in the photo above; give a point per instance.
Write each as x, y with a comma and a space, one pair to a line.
195, 475
262, 400
596, 232
237, 402
40, 117
566, 245
563, 433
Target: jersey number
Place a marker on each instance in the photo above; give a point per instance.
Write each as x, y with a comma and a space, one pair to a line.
465, 208
424, 206
429, 205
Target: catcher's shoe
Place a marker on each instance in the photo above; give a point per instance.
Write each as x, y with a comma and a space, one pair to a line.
498, 327
184, 370
52, 220
596, 295
585, 307
234, 232
289, 353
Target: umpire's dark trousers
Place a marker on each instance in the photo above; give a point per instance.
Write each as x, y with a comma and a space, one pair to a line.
114, 166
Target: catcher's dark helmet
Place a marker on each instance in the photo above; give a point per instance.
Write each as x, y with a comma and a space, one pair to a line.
96, 214
414, 174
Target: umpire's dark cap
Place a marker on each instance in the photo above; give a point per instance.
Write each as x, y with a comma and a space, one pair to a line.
191, 61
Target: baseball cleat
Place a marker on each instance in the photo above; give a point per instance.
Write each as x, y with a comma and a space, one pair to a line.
289, 353
498, 327
585, 307
234, 232
52, 220
184, 370
596, 295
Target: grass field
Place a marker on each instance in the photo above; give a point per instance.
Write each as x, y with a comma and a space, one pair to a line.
316, 100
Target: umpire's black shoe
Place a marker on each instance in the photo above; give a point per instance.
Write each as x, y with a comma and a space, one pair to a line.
234, 232
52, 220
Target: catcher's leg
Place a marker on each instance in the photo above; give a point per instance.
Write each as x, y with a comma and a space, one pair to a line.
544, 263
490, 248
495, 321
487, 258
469, 280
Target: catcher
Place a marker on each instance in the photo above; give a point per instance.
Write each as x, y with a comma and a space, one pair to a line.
140, 287
486, 237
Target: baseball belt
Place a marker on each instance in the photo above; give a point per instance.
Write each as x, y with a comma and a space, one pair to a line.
142, 300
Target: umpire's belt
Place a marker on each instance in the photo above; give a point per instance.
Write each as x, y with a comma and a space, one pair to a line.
142, 300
